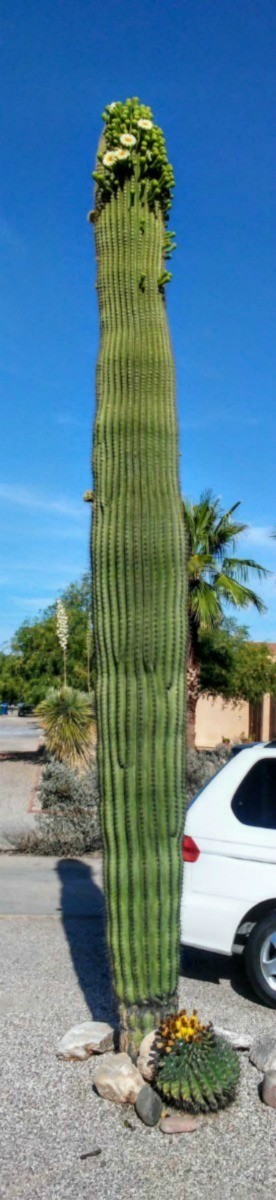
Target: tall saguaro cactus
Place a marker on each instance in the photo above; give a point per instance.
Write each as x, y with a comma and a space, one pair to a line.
138, 571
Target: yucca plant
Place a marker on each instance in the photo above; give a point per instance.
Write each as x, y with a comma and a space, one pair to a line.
197, 1071
66, 716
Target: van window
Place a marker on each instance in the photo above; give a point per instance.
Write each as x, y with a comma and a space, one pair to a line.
254, 802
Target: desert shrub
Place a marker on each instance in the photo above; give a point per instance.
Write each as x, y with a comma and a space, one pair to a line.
200, 766
63, 788
69, 822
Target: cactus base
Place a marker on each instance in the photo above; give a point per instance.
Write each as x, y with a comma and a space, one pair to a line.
136, 1020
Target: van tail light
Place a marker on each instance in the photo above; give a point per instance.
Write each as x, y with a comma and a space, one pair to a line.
190, 851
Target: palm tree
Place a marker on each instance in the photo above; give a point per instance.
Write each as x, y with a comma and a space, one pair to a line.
215, 577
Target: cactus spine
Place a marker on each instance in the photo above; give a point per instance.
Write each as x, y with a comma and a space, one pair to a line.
138, 572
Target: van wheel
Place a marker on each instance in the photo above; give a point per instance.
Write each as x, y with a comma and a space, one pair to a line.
260, 959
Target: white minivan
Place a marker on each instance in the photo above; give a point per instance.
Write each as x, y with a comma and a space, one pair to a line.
229, 851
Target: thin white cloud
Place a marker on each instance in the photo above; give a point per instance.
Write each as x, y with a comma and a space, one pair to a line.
260, 535
34, 603
50, 570
216, 418
29, 499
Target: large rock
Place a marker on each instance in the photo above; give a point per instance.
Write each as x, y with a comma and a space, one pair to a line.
148, 1105
146, 1061
118, 1079
263, 1053
239, 1041
91, 1037
179, 1124
269, 1089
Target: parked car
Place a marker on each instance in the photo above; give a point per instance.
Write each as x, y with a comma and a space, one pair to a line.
24, 710
229, 850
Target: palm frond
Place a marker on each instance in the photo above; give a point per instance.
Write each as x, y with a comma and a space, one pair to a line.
237, 594
243, 566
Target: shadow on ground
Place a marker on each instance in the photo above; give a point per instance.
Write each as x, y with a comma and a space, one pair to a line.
83, 918
208, 967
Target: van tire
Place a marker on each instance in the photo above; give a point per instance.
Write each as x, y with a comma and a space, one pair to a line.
255, 956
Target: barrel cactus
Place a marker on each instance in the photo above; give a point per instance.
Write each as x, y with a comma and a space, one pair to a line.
197, 1070
138, 564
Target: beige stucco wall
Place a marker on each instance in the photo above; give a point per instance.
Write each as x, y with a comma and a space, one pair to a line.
217, 719
266, 718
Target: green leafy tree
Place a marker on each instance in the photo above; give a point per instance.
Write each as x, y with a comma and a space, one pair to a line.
216, 577
36, 662
253, 672
235, 668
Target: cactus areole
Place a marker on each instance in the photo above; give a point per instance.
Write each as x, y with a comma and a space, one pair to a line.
138, 559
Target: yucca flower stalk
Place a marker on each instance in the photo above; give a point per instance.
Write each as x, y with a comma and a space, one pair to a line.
62, 634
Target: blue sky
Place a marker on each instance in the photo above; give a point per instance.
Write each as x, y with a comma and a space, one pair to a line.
207, 68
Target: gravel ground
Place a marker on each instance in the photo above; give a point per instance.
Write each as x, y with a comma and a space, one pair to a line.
53, 973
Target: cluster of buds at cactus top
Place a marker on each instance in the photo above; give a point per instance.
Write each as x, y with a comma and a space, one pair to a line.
133, 147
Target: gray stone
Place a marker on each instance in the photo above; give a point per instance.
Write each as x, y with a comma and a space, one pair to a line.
179, 1123
118, 1079
91, 1037
269, 1089
239, 1041
263, 1053
146, 1061
148, 1105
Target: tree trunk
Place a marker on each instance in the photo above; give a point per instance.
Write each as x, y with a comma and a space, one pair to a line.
193, 672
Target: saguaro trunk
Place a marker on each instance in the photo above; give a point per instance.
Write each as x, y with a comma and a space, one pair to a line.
138, 578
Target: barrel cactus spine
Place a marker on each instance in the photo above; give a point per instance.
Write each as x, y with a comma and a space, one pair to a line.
138, 562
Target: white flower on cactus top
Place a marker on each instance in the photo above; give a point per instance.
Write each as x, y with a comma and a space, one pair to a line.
144, 123
122, 154
113, 104
109, 158
128, 140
